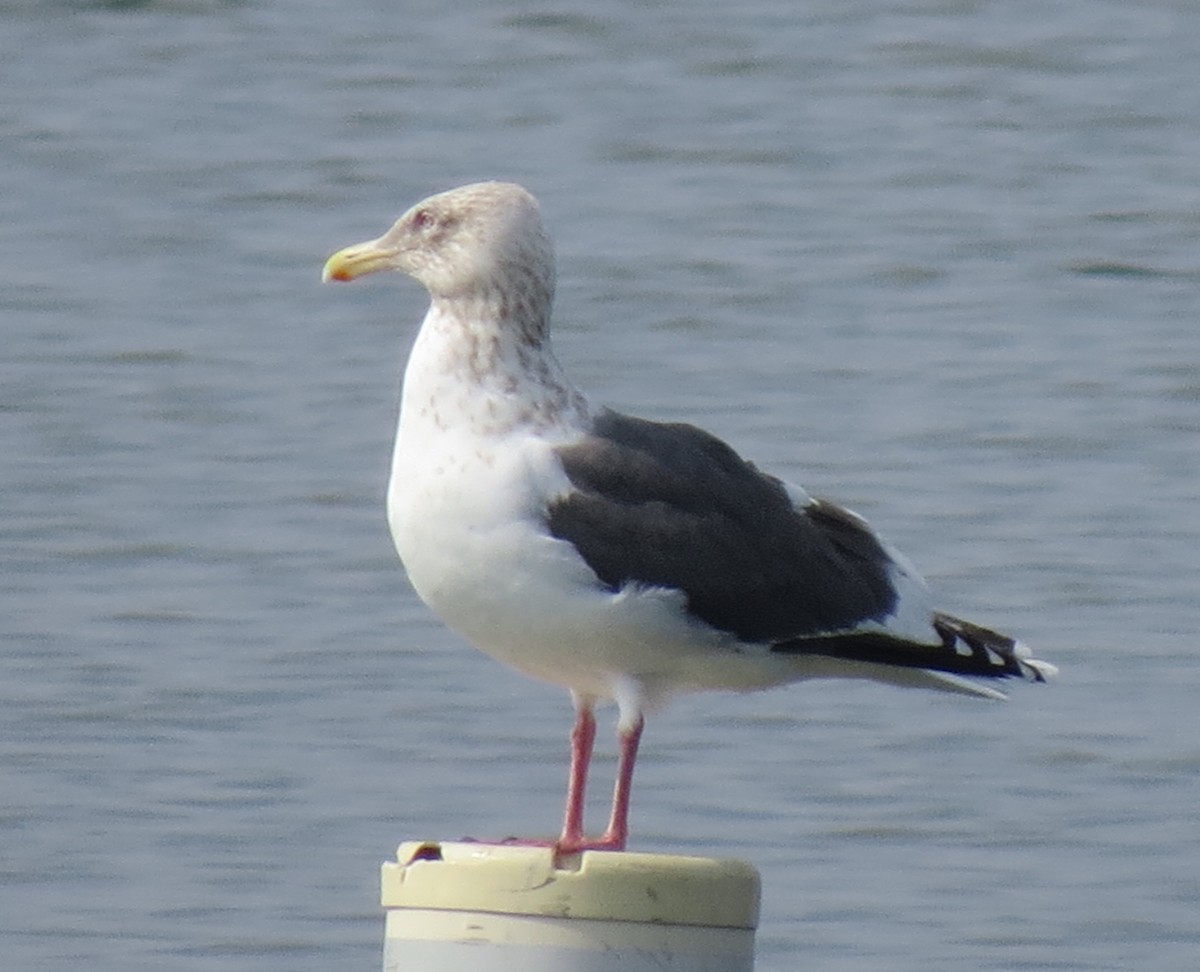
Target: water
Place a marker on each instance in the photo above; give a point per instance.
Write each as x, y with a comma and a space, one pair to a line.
936, 259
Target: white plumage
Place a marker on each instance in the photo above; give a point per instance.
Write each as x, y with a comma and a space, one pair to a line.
619, 558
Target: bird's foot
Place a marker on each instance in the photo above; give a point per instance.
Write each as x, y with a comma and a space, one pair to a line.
527, 842
575, 843
510, 841
565, 846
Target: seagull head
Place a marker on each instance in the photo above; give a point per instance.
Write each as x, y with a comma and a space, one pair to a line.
482, 241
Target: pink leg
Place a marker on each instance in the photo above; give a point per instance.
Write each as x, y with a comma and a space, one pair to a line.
583, 736
614, 838
618, 824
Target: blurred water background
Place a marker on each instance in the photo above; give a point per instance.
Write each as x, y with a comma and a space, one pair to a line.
937, 259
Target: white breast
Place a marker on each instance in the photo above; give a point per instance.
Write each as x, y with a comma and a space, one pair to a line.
471, 479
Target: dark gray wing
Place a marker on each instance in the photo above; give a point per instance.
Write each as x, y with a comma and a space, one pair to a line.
669, 505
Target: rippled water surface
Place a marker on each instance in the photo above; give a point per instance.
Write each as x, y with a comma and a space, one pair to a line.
936, 259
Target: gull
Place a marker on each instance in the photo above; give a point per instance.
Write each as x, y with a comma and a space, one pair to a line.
621, 558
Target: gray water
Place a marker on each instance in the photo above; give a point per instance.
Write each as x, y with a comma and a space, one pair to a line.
936, 259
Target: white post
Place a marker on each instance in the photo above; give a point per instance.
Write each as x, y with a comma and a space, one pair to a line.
467, 907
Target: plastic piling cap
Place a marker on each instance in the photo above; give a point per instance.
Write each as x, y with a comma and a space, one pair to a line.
605, 885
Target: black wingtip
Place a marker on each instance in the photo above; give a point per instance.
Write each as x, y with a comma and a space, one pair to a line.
992, 654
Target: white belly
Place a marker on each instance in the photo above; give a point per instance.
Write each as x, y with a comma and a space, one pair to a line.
467, 520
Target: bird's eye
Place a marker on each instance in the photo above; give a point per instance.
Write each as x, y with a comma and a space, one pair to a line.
422, 219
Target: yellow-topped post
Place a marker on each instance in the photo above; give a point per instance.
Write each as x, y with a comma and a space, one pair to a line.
475, 907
